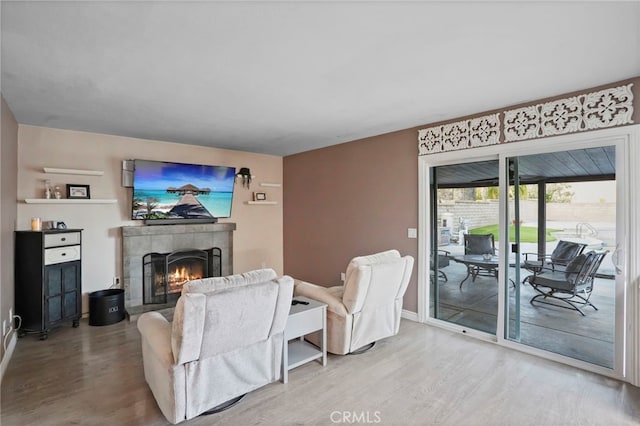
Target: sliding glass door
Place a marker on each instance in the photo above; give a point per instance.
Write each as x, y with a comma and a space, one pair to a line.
563, 221
464, 262
524, 248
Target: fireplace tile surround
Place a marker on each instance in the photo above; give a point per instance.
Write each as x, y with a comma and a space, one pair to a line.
140, 240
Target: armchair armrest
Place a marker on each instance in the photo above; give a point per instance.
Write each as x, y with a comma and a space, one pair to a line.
156, 332
319, 293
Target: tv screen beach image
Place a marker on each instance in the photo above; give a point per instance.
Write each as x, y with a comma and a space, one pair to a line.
163, 190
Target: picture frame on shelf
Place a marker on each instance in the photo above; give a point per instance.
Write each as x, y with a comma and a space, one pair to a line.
75, 191
259, 196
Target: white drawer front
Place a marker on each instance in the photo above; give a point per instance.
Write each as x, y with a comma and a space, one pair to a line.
63, 239
61, 254
303, 323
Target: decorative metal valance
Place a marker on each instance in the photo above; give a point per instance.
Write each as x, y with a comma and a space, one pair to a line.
479, 131
605, 108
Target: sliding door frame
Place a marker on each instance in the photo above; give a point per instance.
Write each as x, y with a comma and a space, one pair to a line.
626, 139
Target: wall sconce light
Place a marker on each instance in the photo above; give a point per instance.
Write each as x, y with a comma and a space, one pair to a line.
244, 175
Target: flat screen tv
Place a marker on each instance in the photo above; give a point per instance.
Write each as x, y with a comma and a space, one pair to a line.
165, 191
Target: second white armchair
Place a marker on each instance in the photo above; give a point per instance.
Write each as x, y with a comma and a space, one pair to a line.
368, 306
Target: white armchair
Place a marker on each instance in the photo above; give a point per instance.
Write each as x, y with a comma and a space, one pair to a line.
225, 340
368, 306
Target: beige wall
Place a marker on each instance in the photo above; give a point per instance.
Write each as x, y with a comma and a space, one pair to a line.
348, 200
8, 184
257, 240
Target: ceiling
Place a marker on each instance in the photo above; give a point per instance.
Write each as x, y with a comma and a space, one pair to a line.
286, 77
579, 165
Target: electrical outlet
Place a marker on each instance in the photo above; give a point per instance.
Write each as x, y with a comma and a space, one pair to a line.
116, 281
4, 328
342, 276
10, 315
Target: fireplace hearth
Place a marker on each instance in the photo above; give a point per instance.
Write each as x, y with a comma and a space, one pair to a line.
164, 274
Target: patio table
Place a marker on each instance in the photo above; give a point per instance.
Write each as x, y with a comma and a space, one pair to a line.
478, 264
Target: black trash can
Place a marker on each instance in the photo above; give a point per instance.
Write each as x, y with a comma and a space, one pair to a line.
106, 307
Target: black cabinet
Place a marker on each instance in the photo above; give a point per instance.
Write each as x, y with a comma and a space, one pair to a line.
48, 289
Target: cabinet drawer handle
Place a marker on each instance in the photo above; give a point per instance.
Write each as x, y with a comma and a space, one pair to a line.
63, 254
63, 239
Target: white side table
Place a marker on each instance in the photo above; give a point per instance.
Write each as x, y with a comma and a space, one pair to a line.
303, 319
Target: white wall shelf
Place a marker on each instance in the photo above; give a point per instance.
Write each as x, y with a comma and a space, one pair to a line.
271, 185
69, 201
262, 202
73, 171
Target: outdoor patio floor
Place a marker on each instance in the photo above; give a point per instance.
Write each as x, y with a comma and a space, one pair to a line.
588, 338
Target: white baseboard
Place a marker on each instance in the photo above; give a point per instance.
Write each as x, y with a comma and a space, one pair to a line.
7, 355
411, 316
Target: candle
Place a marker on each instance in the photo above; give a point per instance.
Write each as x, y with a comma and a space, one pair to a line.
36, 224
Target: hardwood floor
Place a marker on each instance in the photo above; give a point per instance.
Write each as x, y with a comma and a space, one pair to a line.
423, 376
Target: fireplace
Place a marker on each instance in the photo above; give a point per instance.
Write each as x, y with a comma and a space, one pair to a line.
164, 274
138, 241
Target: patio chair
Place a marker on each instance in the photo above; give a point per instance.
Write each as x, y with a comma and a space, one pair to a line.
572, 287
443, 261
479, 244
563, 253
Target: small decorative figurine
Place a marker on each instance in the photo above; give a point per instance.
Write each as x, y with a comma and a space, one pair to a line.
47, 189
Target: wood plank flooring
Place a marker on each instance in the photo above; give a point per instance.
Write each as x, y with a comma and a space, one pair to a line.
423, 376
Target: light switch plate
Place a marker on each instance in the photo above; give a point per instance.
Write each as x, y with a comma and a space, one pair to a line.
412, 233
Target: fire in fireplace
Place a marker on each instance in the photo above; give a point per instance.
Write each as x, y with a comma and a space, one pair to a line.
164, 274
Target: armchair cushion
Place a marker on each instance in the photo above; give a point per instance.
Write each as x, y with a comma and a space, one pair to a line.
575, 264
233, 321
479, 244
371, 259
359, 275
357, 289
443, 258
566, 251
562, 255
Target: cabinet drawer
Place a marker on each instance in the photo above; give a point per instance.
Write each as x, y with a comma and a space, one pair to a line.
61, 254
63, 239
304, 322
